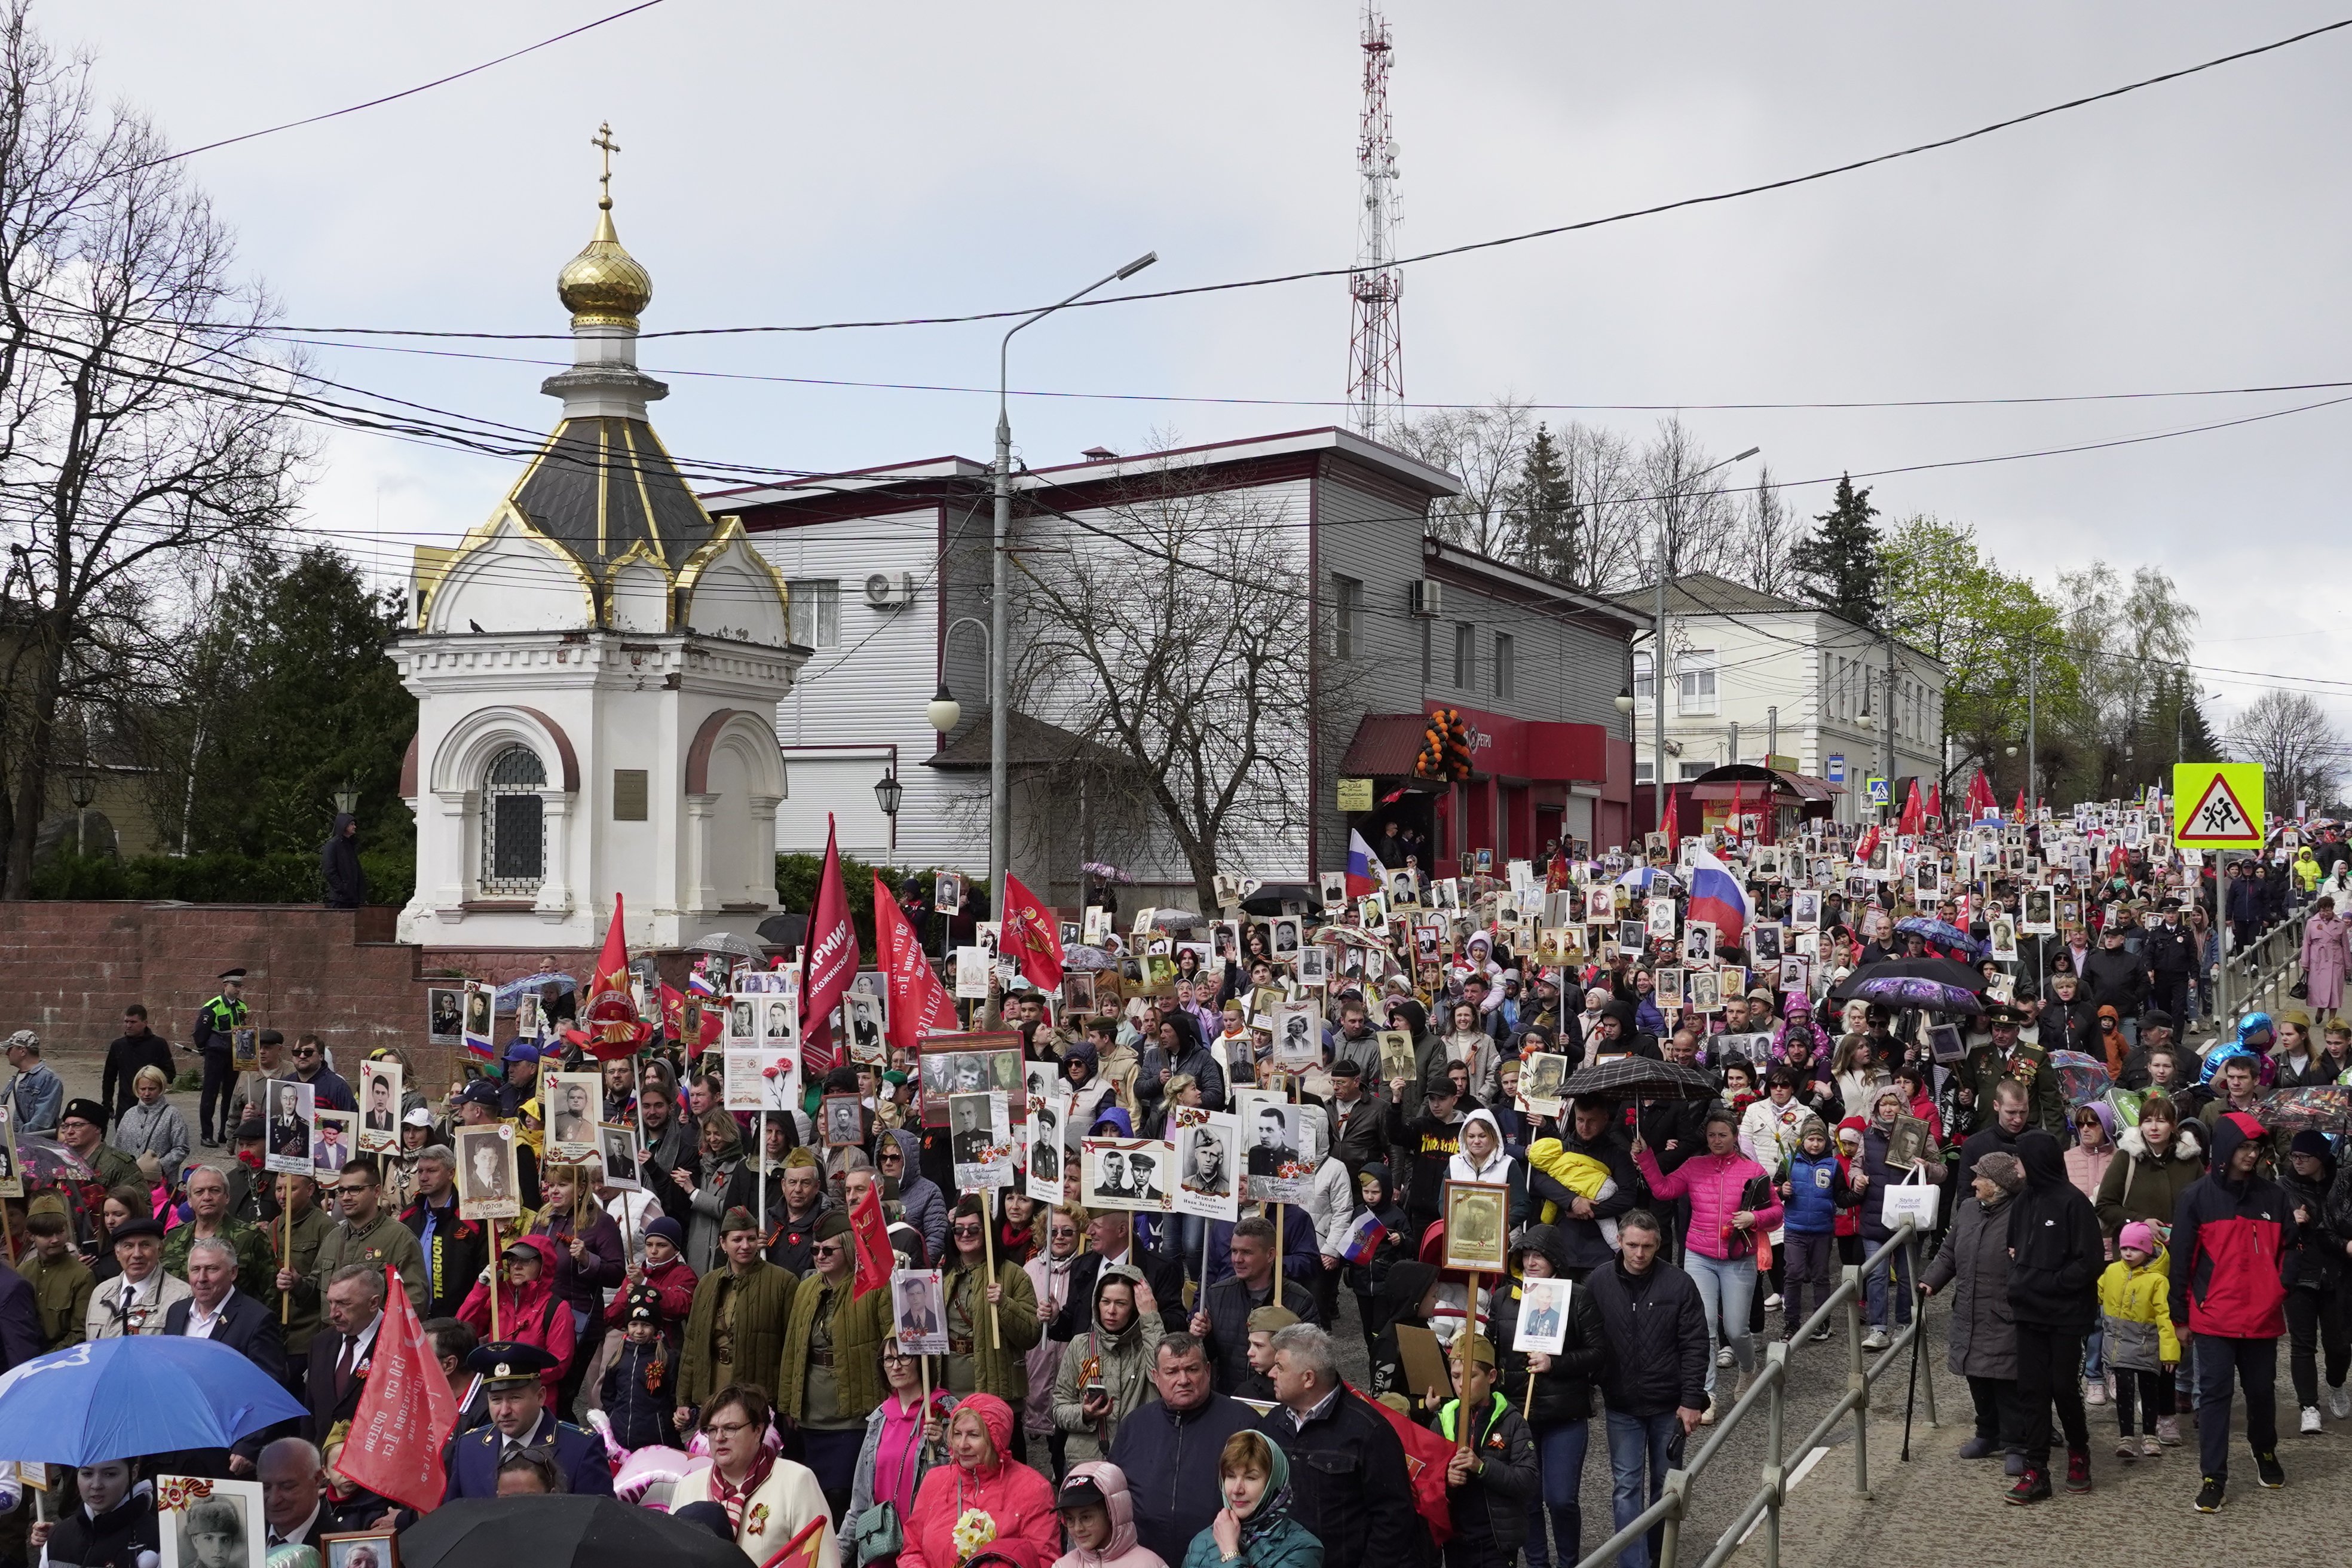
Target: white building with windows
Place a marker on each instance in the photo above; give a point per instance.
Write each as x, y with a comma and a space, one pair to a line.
597, 668
1752, 676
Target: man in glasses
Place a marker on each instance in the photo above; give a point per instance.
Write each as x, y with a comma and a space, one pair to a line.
521, 1424
327, 1086
830, 1379
369, 1233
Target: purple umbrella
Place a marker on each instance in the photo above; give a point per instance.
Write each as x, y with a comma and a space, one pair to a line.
2081, 1078
1912, 991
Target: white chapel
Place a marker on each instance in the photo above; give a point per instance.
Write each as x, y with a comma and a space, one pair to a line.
597, 668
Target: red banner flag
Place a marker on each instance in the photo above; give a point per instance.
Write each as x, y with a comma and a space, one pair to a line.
405, 1411
1030, 936
2020, 806
829, 962
1670, 828
920, 1005
1935, 801
1909, 821
1980, 801
805, 1550
875, 1259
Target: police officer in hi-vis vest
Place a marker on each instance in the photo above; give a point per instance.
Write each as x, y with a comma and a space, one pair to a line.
214, 1020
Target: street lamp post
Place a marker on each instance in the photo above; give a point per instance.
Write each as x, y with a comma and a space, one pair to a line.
82, 788
888, 793
1658, 659
999, 795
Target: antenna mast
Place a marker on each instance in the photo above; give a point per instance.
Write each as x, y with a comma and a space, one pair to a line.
1376, 350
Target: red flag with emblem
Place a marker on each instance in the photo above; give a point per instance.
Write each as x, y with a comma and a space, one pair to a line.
1980, 800
829, 962
2020, 806
405, 1411
1031, 936
920, 1005
1911, 811
875, 1260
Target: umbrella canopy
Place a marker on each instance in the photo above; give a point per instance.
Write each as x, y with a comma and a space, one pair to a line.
2081, 1078
150, 1393
1656, 879
46, 1163
787, 932
728, 943
1269, 899
1176, 919
1088, 958
1943, 933
2325, 1106
511, 992
1943, 971
1909, 991
561, 1532
1639, 1078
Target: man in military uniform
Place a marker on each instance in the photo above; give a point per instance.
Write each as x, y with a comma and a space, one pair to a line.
520, 1420
209, 1219
2007, 1056
214, 1020
370, 1232
297, 1264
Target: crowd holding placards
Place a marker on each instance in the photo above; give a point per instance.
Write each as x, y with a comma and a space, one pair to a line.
1060, 1282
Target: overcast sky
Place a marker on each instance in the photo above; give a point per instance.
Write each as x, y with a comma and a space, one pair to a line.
792, 163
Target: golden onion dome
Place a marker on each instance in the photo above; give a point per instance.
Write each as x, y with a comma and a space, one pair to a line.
605, 286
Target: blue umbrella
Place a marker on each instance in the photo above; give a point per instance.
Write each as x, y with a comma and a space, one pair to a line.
148, 1393
1941, 933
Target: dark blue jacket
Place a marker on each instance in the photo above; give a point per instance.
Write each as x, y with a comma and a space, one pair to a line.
1817, 1186
472, 1461
1170, 1460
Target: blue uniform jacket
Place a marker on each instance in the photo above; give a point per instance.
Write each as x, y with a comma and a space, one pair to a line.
473, 1460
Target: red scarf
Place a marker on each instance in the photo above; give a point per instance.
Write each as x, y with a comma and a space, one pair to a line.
733, 1498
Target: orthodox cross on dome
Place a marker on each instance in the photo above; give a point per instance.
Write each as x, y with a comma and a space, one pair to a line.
604, 139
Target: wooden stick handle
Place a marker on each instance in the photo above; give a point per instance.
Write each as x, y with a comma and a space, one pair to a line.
988, 1245
494, 1281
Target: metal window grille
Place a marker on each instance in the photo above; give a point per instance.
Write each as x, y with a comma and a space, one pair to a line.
514, 832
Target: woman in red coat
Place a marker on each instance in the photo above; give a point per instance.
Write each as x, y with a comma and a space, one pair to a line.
1010, 1503
530, 1312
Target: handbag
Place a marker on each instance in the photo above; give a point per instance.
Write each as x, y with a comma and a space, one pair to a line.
876, 1534
1913, 1198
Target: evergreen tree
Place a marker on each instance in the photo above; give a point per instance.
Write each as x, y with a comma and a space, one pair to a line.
1542, 509
1839, 565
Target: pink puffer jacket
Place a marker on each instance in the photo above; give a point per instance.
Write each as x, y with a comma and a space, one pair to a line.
1715, 1185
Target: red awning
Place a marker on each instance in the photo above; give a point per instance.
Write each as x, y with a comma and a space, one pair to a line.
1385, 745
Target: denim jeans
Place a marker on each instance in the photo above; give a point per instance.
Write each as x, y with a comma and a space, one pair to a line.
1725, 1286
1637, 1443
1185, 1233
1559, 1455
1874, 1287
2094, 1348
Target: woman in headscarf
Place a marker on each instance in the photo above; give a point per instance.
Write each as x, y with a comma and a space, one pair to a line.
982, 1495
1049, 1278
1480, 1158
1255, 1527
1089, 1091
1103, 1375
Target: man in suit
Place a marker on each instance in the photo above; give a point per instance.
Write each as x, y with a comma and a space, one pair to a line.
217, 1310
520, 1420
338, 1357
293, 1494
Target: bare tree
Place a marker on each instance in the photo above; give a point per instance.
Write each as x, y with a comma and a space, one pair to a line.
1176, 635
1603, 486
1484, 449
1685, 509
142, 416
2301, 752
1768, 535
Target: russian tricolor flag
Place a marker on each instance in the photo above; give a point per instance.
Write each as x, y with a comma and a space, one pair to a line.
1717, 898
1365, 873
1364, 1239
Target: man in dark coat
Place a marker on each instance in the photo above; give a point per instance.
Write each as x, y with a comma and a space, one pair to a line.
1168, 1447
1348, 1478
338, 1357
1592, 1131
1655, 1384
21, 1335
219, 1311
137, 1047
2113, 975
519, 1419
2055, 1255
338, 865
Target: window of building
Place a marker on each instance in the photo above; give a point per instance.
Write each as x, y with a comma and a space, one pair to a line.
1466, 655
1644, 693
1347, 616
1690, 770
514, 837
1696, 674
816, 611
1645, 772
1504, 650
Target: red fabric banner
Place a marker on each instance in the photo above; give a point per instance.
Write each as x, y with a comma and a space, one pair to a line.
1031, 937
405, 1411
828, 964
874, 1260
1912, 811
920, 1005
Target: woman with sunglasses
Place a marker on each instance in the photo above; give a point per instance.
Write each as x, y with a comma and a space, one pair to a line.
905, 1439
991, 1316
826, 1384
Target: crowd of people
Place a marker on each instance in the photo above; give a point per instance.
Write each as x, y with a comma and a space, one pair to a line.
2128, 1225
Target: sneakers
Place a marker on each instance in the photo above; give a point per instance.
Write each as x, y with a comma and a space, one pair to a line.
2031, 1487
1977, 1448
2149, 1448
2210, 1496
1772, 1303
2078, 1471
2167, 1431
2309, 1427
2339, 1402
1876, 1340
1714, 1409
1723, 1356
1821, 1334
2094, 1392
2127, 1447
2269, 1472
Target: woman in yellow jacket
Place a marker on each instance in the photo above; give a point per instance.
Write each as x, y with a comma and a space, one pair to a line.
2141, 1349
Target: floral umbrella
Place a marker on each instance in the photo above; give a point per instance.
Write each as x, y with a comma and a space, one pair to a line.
2325, 1106
1909, 991
2081, 1078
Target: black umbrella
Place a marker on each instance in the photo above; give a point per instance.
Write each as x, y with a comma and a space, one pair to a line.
562, 1531
1639, 1078
1942, 970
1269, 899
787, 931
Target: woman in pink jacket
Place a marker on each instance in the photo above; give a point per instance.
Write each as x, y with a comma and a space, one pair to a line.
981, 1478
1732, 1205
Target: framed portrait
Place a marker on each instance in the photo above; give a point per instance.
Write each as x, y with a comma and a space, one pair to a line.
245, 1049
1541, 1076
334, 1138
1632, 936
1476, 1232
489, 1184
1297, 1036
980, 1136
971, 973
1543, 1316
379, 1089
1705, 989
1908, 1144
1396, 1054
1734, 979
287, 1138
2041, 912
1699, 942
1764, 943
1285, 935
617, 1152
445, 1015
1314, 965
1208, 1182
919, 1310
1372, 913
208, 1523
12, 1174
2002, 940
1662, 917
481, 1018
843, 1121
1078, 990
1277, 1160
972, 1064
1669, 986
1226, 890
574, 1102
1945, 1044
1332, 887
1045, 1151
360, 1549
1128, 1173
947, 892
1794, 975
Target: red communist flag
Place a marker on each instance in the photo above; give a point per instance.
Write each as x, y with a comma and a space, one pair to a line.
829, 962
1031, 937
1980, 801
1909, 822
1935, 801
405, 1411
920, 1005
2020, 806
872, 1232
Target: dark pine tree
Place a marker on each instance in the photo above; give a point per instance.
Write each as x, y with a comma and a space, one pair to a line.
1839, 564
1542, 506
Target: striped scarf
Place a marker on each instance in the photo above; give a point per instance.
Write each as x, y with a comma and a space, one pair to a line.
733, 1498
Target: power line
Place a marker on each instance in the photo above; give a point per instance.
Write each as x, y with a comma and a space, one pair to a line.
393, 97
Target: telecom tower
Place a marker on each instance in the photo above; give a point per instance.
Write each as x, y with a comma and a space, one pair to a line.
1376, 352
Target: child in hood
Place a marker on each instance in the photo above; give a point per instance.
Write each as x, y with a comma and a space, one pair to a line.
1377, 1195
1255, 1527
2142, 1348
639, 1392
1813, 1196
1099, 1516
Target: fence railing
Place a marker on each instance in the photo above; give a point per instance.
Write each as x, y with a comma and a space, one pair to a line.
1769, 1391
2259, 973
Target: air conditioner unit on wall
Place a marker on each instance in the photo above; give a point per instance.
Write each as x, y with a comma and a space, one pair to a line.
890, 590
1426, 600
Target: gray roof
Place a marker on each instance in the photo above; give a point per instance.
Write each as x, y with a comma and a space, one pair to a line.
1704, 593
601, 486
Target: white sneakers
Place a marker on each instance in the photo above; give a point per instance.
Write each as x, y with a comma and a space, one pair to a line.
1875, 1341
1723, 1356
1771, 1303
2310, 1427
2094, 1391
2339, 1402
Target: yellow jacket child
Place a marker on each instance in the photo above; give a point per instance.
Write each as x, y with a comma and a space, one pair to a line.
2134, 1304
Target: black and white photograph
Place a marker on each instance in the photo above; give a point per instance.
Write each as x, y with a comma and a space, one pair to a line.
379, 1095
530, 1018
1297, 1036
1927, 879
980, 1140
972, 973
1764, 943
208, 1523
1805, 909
1207, 1175
1283, 936
1663, 918
287, 1137
1046, 1152
844, 1122
616, 1149
2040, 917
2001, 939
444, 1015
481, 1018
1946, 1044
488, 1184
1078, 990
1129, 1173
1669, 987
334, 1138
574, 1102
1332, 886
1699, 942
1541, 1074
742, 1026
919, 1310
1705, 988
947, 892
360, 1548
779, 1022
1314, 966
1275, 1159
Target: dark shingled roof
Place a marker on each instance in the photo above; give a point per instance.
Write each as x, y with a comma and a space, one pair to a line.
601, 486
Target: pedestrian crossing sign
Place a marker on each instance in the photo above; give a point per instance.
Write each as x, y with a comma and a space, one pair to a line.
2217, 806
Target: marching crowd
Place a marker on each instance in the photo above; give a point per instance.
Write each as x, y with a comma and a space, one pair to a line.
1156, 1390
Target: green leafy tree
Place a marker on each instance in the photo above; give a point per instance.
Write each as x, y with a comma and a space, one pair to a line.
1839, 565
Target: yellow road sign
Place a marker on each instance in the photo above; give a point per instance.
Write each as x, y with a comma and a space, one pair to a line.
2217, 806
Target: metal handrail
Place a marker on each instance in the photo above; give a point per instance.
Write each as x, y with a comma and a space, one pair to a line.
1770, 1387
2263, 970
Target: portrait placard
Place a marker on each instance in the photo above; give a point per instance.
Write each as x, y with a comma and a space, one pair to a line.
575, 1101
1047, 1117
287, 1148
334, 1135
972, 1064
844, 1122
489, 1184
445, 1015
1277, 1163
918, 1307
1475, 1233
1128, 1173
380, 1084
980, 1140
1541, 1076
208, 1523
1206, 1162
481, 1018
1543, 1316
617, 1151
